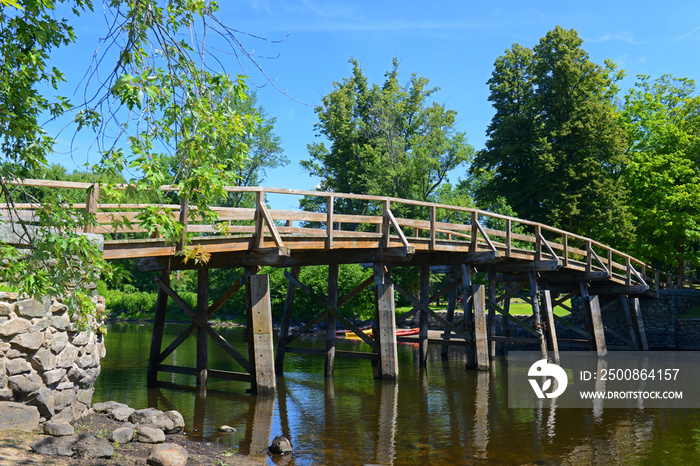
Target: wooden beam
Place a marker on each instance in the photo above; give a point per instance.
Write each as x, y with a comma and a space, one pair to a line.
202, 306
205, 325
537, 314
157, 336
480, 331
551, 332
331, 320
386, 318
286, 321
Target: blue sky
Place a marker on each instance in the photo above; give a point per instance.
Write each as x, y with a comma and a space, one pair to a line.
453, 43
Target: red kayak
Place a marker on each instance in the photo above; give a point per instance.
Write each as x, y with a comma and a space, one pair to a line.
402, 332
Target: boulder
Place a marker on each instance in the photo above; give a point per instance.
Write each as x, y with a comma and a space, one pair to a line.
122, 435
26, 385
178, 421
14, 326
55, 446
156, 418
58, 428
18, 416
280, 446
92, 447
168, 454
148, 434
31, 341
117, 411
31, 308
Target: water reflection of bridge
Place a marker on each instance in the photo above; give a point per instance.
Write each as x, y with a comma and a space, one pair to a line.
544, 266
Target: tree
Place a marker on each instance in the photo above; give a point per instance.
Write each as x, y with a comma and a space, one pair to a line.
384, 141
556, 149
662, 119
150, 98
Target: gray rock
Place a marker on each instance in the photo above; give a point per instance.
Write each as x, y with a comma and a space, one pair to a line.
60, 340
44, 359
45, 402
6, 309
31, 308
63, 398
81, 339
18, 416
41, 325
31, 341
14, 326
6, 394
154, 417
54, 376
120, 413
25, 384
178, 421
168, 454
93, 447
122, 435
55, 446
280, 445
67, 356
227, 429
61, 322
146, 434
17, 366
58, 428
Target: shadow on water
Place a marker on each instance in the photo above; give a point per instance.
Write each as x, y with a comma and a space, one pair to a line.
439, 414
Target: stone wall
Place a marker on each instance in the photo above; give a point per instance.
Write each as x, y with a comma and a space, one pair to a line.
44, 361
665, 328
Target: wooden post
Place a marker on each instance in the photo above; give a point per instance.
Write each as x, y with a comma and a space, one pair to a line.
157, 336
548, 311
329, 223
423, 319
261, 319
386, 318
331, 321
467, 307
184, 213
628, 320
480, 332
202, 339
537, 316
592, 308
492, 315
259, 240
451, 302
92, 202
286, 321
639, 325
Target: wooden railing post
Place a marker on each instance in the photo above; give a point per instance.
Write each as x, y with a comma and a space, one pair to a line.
329, 222
184, 214
91, 204
385, 223
509, 233
589, 256
475, 232
566, 251
259, 219
433, 219
628, 278
538, 242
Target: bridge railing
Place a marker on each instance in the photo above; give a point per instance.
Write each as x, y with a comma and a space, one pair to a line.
431, 226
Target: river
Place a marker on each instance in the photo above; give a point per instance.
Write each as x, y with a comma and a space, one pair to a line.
439, 415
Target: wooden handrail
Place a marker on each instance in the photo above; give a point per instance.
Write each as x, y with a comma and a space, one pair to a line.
264, 217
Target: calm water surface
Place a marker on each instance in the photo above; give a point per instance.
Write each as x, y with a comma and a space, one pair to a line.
442, 414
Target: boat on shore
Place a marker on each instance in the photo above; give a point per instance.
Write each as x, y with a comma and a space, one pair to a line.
401, 332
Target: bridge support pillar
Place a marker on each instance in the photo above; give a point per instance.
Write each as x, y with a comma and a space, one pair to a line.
202, 337
467, 307
157, 337
388, 366
536, 313
594, 320
550, 331
286, 321
423, 316
481, 337
637, 323
331, 320
261, 350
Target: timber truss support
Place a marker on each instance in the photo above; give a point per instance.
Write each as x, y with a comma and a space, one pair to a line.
258, 368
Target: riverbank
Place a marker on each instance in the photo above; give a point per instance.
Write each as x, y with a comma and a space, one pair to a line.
15, 448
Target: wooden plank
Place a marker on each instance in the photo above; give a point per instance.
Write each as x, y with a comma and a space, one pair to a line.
467, 307
451, 303
571, 326
423, 316
397, 228
261, 314
480, 330
219, 374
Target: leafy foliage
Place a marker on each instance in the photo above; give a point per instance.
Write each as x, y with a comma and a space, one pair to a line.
556, 149
384, 140
662, 120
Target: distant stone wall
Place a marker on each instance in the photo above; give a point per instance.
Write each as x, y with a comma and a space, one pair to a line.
44, 361
665, 328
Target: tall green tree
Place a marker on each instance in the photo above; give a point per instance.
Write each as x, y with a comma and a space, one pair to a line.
384, 140
662, 119
556, 149
151, 98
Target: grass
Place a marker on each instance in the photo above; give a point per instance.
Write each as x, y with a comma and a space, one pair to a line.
693, 313
517, 306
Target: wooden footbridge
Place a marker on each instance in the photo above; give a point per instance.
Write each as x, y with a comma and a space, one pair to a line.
542, 265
